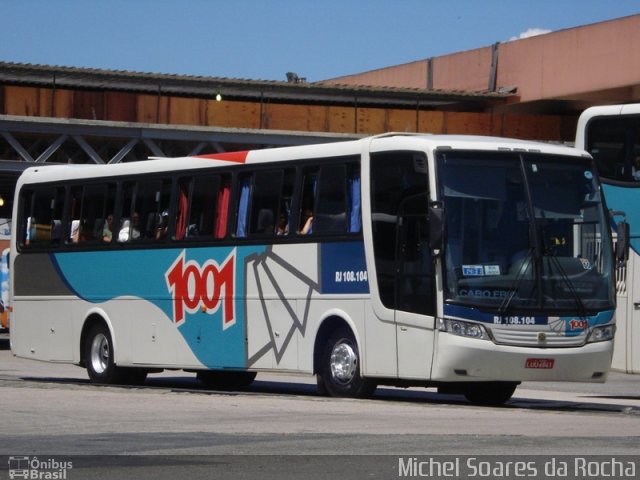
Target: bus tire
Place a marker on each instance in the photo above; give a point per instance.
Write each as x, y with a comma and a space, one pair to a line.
99, 357
218, 379
490, 393
340, 368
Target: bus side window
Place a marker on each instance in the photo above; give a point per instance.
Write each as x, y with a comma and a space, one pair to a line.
74, 209
283, 217
43, 216
264, 197
264, 202
198, 199
93, 212
331, 209
615, 147
27, 219
124, 228
89, 209
308, 201
354, 201
146, 207
163, 212
145, 214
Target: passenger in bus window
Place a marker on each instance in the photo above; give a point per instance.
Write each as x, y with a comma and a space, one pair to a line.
130, 230
636, 168
265, 221
135, 226
123, 234
163, 224
283, 225
75, 231
107, 231
307, 222
192, 231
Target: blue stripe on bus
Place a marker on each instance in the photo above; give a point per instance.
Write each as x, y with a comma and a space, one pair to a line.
98, 277
200, 290
470, 313
570, 325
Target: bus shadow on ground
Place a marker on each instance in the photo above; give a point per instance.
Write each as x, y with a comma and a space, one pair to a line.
188, 384
589, 405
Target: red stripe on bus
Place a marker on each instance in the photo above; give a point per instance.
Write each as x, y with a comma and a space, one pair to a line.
240, 157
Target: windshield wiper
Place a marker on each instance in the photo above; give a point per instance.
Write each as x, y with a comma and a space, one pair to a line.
582, 309
526, 262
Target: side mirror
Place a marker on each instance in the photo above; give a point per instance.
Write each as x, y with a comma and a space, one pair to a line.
436, 227
623, 231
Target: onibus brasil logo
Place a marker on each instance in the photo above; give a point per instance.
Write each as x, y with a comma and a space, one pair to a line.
204, 288
35, 468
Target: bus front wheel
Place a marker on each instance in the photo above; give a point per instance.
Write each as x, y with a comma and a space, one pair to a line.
340, 368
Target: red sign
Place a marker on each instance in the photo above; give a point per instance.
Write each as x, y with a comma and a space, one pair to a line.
205, 287
542, 363
578, 324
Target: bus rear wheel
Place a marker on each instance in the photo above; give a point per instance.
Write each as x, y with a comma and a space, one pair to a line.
489, 393
340, 368
225, 379
99, 359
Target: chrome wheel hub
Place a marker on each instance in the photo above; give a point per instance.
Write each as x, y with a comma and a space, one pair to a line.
99, 353
344, 363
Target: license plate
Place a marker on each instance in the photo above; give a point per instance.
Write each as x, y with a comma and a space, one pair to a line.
542, 363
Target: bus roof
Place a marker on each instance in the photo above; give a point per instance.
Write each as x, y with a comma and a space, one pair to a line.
602, 111
388, 141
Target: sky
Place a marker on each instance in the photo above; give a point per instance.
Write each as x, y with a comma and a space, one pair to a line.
265, 39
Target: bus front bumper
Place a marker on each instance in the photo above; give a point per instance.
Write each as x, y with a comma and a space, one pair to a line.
460, 359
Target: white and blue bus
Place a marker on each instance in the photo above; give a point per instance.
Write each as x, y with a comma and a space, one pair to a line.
468, 264
612, 135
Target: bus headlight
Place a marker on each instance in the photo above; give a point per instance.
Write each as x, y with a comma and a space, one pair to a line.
602, 334
463, 329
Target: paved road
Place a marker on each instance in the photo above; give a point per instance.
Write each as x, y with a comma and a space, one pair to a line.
49, 409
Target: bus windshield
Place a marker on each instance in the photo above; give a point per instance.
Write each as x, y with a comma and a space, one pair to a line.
525, 233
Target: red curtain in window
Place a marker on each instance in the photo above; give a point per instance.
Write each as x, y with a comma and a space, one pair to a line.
181, 224
223, 208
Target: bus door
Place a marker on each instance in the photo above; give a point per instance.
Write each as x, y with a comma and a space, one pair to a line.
414, 287
405, 272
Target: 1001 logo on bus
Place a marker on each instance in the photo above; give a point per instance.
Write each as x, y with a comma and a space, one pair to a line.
206, 287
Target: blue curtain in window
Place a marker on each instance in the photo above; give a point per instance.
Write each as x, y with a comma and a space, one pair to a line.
314, 183
243, 208
355, 217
